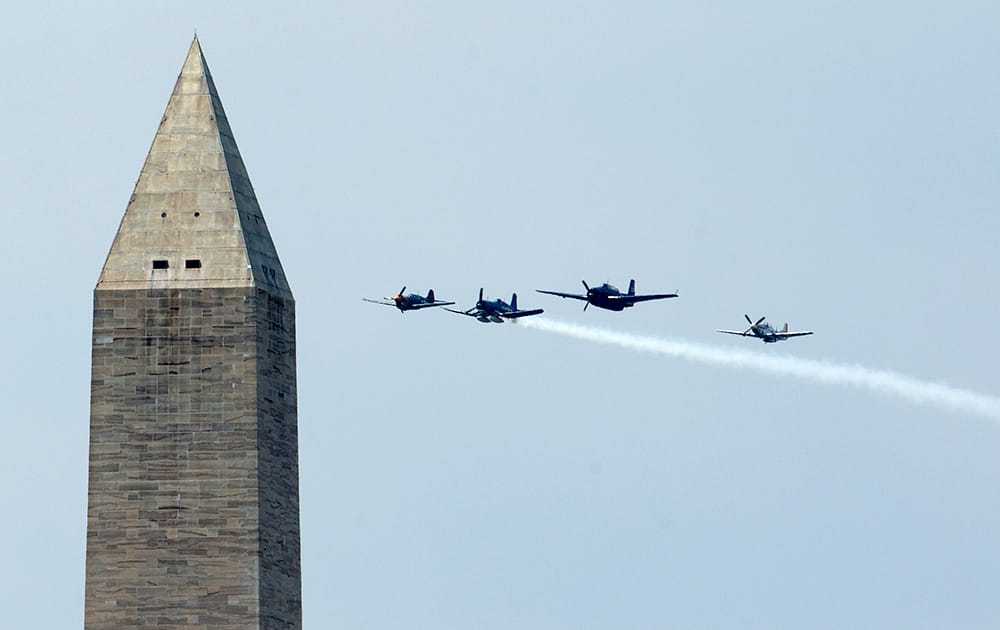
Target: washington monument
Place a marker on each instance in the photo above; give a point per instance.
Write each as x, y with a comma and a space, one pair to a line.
193, 505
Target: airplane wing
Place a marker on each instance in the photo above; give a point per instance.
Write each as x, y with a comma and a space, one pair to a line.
641, 298
736, 332
563, 295
416, 307
382, 302
787, 335
516, 314
471, 312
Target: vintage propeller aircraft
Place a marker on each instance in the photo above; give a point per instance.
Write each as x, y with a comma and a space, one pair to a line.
765, 332
609, 297
410, 301
496, 311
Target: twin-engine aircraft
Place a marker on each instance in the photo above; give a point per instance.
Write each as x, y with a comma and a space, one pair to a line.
410, 302
496, 311
765, 332
609, 297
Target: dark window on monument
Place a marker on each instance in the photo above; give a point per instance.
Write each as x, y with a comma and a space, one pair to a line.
160, 264
192, 263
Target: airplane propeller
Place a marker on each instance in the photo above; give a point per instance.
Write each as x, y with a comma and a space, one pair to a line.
587, 287
752, 324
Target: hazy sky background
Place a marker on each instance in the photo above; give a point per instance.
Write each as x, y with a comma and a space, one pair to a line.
830, 164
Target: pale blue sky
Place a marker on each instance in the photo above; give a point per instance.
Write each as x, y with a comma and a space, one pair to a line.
826, 163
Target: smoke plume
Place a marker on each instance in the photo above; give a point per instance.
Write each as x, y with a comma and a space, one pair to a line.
878, 381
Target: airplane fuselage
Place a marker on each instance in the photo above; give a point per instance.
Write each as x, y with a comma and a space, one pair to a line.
604, 301
490, 310
765, 332
408, 302
604, 297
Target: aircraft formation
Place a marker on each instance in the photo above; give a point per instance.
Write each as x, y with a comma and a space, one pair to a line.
604, 296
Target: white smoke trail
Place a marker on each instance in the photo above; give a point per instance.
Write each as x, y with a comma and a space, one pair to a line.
879, 381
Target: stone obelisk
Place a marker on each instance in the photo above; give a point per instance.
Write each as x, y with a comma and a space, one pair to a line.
193, 510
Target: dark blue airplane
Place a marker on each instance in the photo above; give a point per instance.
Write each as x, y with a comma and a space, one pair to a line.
409, 302
496, 311
609, 297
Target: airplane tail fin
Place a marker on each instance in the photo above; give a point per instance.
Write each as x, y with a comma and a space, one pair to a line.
786, 327
430, 295
631, 287
480, 294
513, 301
